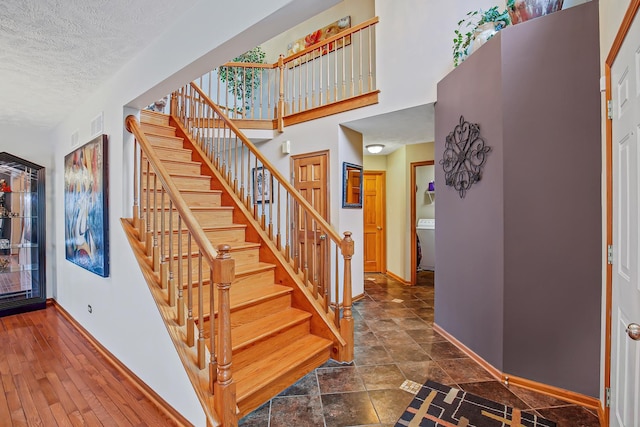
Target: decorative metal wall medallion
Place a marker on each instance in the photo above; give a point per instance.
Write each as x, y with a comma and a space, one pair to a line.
464, 156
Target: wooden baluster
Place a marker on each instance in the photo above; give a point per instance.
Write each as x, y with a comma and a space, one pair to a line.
305, 253
279, 222
360, 62
213, 353
172, 280
164, 268
320, 90
336, 298
202, 358
346, 322
224, 389
181, 312
136, 207
344, 66
155, 251
314, 257
351, 49
287, 231
271, 201
370, 60
146, 223
190, 319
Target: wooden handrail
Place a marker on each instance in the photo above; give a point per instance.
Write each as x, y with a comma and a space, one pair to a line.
188, 218
274, 171
331, 39
309, 49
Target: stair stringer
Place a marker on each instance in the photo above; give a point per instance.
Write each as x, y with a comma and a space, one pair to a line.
188, 355
302, 296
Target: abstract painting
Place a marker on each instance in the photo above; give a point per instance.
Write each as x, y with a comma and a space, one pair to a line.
86, 210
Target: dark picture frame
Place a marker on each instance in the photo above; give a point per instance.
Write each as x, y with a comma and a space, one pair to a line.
262, 185
351, 185
86, 206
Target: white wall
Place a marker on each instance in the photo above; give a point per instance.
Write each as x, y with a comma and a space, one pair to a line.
125, 319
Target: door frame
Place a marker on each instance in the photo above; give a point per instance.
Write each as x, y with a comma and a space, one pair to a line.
629, 16
327, 174
383, 212
414, 236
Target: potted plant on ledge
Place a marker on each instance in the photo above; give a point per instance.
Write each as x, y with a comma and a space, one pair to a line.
475, 29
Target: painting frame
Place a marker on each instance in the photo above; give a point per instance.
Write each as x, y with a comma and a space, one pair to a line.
261, 192
86, 206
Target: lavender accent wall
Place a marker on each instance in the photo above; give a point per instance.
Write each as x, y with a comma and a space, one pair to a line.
518, 266
470, 233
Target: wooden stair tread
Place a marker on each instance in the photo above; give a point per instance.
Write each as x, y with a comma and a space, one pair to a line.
253, 377
239, 297
249, 333
246, 270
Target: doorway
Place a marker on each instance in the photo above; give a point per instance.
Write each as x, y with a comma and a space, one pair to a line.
622, 349
422, 218
310, 177
373, 206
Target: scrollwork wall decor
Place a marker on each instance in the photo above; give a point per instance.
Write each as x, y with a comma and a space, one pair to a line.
464, 156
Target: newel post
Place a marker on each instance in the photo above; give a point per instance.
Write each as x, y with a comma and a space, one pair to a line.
280, 117
346, 322
224, 389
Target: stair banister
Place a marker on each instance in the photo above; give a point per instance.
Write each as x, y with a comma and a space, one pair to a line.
223, 143
221, 267
190, 221
268, 165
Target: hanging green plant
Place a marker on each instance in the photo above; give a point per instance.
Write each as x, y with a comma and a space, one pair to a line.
243, 81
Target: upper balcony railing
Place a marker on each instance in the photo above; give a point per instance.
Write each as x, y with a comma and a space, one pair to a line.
339, 68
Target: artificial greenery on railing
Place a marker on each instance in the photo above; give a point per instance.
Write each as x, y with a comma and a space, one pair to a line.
242, 81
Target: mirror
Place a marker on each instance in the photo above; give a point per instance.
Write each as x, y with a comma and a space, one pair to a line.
351, 185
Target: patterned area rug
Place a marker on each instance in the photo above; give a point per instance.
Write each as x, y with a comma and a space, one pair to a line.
438, 405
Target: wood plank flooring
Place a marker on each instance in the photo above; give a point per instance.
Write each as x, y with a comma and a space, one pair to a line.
50, 375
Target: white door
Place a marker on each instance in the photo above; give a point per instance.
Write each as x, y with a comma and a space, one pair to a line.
625, 352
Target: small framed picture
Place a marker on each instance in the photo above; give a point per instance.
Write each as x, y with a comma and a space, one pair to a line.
262, 183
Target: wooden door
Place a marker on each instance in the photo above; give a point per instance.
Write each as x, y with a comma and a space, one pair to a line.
373, 188
310, 178
625, 349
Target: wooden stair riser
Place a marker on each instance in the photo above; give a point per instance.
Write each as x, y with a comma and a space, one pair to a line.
183, 182
165, 141
184, 167
241, 257
193, 199
254, 352
182, 155
248, 281
216, 237
242, 312
302, 357
158, 129
207, 218
154, 117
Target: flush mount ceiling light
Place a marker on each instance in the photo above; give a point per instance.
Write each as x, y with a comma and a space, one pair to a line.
374, 148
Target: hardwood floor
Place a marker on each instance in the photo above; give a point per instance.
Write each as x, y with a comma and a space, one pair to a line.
52, 376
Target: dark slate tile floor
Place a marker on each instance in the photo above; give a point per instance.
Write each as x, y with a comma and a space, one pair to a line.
395, 342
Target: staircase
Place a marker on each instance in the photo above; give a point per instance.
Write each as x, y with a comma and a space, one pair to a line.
273, 340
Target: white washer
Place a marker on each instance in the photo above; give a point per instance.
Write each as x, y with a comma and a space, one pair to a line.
426, 233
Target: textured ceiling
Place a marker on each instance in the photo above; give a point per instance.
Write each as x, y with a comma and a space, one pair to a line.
55, 53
